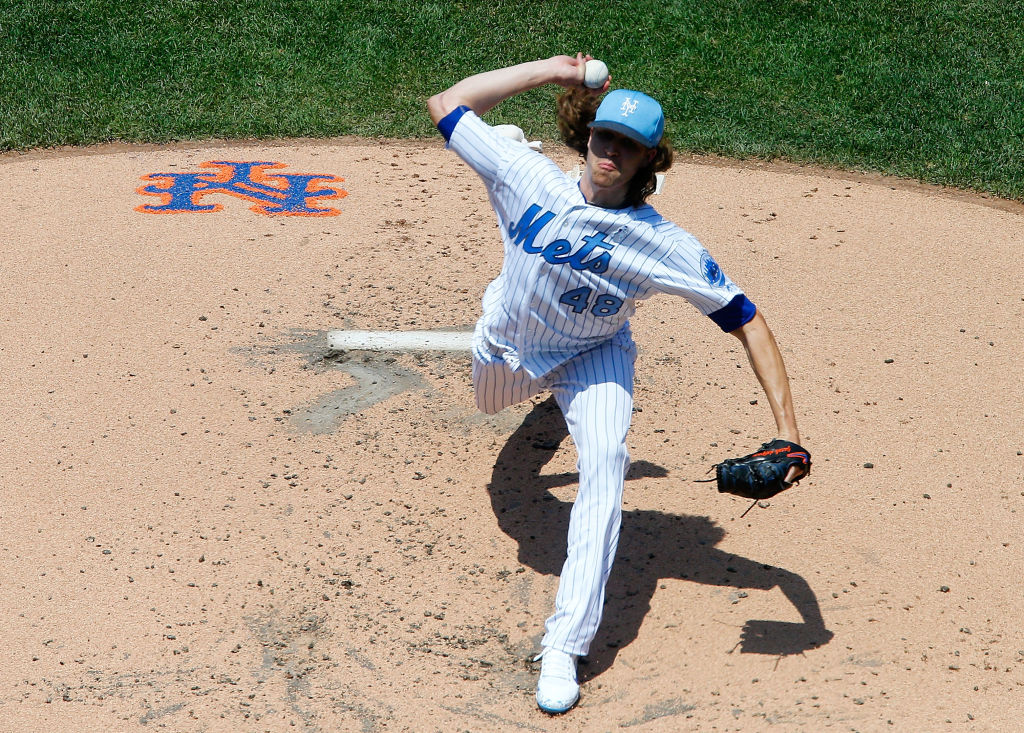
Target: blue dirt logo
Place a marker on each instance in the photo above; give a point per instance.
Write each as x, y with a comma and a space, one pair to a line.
274, 194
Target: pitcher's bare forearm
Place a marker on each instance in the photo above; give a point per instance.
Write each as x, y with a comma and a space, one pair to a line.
766, 361
482, 92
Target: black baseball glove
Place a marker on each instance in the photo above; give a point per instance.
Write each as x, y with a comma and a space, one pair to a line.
762, 474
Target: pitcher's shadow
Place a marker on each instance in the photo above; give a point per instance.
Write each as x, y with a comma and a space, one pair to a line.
652, 546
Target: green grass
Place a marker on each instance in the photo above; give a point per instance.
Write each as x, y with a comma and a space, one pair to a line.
930, 90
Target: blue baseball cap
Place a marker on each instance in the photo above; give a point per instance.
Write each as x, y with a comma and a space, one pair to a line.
633, 114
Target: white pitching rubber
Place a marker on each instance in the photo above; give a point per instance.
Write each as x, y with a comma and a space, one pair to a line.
400, 340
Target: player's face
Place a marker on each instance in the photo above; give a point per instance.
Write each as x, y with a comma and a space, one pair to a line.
613, 159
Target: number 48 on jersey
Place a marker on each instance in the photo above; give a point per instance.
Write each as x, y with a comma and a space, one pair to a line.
579, 300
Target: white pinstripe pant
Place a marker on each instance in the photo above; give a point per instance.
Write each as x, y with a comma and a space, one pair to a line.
595, 393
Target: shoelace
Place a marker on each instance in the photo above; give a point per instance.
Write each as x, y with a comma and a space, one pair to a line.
557, 664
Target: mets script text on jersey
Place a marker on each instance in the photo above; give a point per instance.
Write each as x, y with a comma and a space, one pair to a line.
559, 252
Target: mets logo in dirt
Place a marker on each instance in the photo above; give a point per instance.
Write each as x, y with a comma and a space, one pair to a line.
274, 194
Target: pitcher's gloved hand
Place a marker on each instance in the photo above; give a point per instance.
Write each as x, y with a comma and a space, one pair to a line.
762, 474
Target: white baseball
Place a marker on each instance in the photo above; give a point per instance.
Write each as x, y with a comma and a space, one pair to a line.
596, 74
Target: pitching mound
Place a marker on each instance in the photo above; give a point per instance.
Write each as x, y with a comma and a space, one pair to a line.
211, 522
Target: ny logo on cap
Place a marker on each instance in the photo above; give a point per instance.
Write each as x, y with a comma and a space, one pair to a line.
628, 106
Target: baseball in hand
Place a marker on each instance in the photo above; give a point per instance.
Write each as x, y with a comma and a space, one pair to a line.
596, 74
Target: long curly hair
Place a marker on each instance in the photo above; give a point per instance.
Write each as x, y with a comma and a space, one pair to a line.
576, 110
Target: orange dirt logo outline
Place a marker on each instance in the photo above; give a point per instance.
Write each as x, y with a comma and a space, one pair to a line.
275, 194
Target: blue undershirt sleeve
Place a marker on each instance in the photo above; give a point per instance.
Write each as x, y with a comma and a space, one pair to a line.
736, 313
447, 124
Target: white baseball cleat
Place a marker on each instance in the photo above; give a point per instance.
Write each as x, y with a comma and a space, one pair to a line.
557, 688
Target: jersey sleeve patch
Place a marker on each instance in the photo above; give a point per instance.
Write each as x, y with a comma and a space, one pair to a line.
711, 271
736, 313
447, 125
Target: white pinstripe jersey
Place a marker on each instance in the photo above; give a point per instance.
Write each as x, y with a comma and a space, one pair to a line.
572, 272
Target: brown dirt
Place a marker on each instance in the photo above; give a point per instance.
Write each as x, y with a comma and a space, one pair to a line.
210, 523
